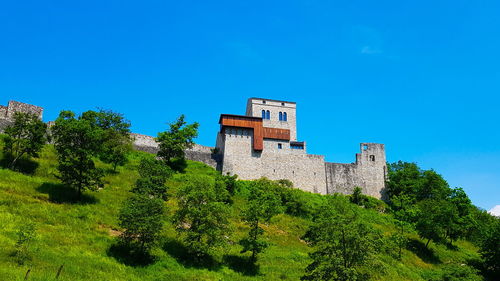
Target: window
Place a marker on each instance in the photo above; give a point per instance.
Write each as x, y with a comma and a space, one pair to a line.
365, 147
279, 146
372, 158
284, 116
283, 104
281, 116
263, 101
295, 146
263, 114
268, 115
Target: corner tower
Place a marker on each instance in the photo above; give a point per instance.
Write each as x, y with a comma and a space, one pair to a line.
275, 114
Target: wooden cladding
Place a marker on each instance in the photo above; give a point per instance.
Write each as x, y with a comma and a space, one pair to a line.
278, 134
254, 123
259, 131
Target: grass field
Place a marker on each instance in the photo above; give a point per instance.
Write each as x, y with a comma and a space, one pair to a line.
79, 235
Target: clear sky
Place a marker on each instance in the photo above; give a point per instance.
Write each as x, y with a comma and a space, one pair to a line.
423, 77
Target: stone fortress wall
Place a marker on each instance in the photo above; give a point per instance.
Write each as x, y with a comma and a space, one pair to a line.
7, 112
234, 153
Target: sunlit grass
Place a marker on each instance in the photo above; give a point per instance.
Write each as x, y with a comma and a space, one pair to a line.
78, 235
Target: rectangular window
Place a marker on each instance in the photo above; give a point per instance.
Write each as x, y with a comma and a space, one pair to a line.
279, 146
292, 146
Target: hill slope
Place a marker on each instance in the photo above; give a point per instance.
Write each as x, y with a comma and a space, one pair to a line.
78, 235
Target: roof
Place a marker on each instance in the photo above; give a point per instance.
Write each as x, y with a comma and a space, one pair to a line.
273, 100
239, 116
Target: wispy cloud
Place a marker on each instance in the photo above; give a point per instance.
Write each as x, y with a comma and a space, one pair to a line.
368, 40
369, 50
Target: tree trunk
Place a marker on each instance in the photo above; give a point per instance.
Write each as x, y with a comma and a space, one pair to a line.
427, 244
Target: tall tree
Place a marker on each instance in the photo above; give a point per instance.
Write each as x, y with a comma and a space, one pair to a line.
343, 244
25, 137
153, 176
77, 141
175, 141
202, 219
405, 214
262, 205
435, 218
142, 219
116, 142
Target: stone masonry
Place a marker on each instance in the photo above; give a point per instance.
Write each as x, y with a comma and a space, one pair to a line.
7, 112
263, 143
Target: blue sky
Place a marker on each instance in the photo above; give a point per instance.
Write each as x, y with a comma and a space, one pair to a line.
423, 77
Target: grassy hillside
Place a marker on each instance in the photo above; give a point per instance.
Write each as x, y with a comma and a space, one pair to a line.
78, 235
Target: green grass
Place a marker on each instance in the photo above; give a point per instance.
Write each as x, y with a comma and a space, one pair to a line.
78, 235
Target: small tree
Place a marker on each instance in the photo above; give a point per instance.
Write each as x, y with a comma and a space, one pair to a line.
154, 174
404, 214
357, 196
202, 217
25, 137
262, 205
25, 237
343, 244
142, 218
175, 141
77, 141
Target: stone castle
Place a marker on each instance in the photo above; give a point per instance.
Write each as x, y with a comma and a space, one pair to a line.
263, 143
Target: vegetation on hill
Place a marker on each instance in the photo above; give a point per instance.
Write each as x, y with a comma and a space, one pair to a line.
157, 220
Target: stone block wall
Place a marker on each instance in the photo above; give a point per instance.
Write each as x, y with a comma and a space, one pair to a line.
306, 171
256, 105
368, 172
15, 106
197, 153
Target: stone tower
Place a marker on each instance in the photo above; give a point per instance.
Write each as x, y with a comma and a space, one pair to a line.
275, 114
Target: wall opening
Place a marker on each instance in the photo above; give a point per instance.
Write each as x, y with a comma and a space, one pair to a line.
372, 158
365, 147
280, 146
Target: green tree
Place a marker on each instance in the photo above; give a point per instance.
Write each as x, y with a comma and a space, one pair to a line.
25, 137
403, 178
116, 142
435, 219
490, 250
25, 237
405, 214
153, 176
142, 219
175, 141
344, 246
202, 219
77, 141
262, 205
357, 196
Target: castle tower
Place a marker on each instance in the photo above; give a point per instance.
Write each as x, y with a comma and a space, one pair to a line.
372, 167
275, 114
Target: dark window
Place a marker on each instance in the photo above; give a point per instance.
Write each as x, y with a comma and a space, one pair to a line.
294, 146
279, 146
268, 115
263, 114
263, 101
372, 157
284, 116
283, 103
281, 116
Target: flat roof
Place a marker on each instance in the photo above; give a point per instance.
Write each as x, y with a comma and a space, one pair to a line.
273, 100
239, 116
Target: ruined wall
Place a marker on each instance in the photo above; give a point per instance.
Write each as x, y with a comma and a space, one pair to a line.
368, 172
306, 171
197, 153
15, 106
7, 112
